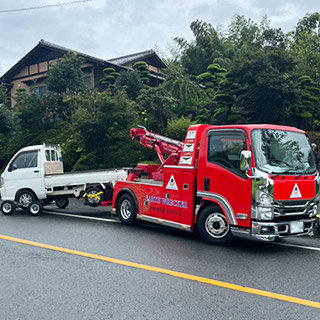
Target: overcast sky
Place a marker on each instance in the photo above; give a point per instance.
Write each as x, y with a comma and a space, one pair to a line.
111, 28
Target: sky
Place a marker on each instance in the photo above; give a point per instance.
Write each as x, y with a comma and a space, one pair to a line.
108, 29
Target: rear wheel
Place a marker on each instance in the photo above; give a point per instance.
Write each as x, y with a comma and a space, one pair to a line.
25, 198
62, 202
35, 208
8, 207
127, 209
213, 226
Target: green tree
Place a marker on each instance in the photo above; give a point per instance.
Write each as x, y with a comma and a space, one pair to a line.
143, 71
211, 79
308, 24
8, 127
101, 130
4, 96
226, 111
307, 104
37, 111
29, 110
306, 46
196, 55
177, 128
7, 123
187, 94
66, 75
131, 81
155, 106
244, 31
109, 78
265, 89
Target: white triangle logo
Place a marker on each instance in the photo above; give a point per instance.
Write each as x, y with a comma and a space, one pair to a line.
172, 184
296, 192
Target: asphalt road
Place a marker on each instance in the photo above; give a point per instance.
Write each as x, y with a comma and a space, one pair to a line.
111, 275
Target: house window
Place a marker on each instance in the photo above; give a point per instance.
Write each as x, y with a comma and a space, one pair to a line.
39, 90
87, 81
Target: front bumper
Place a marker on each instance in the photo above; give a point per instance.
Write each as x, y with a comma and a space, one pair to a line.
270, 231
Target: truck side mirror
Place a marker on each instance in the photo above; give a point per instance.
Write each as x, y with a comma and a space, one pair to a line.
12, 167
245, 160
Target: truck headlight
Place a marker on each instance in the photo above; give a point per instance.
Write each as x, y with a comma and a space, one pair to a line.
316, 206
264, 206
315, 211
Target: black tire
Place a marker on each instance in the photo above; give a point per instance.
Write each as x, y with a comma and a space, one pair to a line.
8, 208
62, 202
213, 226
35, 208
93, 197
127, 210
25, 198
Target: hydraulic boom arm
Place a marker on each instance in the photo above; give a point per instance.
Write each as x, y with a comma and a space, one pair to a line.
156, 142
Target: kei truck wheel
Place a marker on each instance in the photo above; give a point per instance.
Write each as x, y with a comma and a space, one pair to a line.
7, 208
25, 198
35, 208
127, 209
213, 226
62, 202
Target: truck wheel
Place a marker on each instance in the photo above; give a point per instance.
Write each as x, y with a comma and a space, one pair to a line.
127, 210
25, 198
8, 207
213, 226
62, 202
93, 197
35, 208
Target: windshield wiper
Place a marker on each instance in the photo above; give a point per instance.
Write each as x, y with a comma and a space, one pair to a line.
290, 171
277, 162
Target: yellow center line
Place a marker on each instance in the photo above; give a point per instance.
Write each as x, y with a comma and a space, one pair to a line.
176, 274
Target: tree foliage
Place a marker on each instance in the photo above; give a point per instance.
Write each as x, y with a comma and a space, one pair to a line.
110, 77
143, 71
66, 74
131, 82
249, 73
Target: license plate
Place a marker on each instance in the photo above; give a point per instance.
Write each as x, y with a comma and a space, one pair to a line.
296, 226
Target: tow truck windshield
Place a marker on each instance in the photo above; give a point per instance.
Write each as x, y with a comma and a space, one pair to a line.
282, 152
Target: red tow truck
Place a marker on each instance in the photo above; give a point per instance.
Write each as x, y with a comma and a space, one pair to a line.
249, 181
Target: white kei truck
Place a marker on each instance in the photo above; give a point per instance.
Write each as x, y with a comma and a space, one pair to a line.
34, 177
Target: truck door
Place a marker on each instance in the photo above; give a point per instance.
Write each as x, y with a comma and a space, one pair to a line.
220, 177
178, 200
25, 172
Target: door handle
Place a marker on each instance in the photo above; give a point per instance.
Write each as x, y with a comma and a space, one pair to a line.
206, 184
36, 171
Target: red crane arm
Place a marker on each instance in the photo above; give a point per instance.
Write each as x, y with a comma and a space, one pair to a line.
156, 142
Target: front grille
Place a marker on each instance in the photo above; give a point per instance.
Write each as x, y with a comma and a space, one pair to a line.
293, 208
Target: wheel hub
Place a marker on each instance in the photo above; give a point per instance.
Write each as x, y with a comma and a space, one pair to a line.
216, 225
6, 207
25, 200
125, 209
34, 209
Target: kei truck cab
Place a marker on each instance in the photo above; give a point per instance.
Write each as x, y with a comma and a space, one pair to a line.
247, 181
